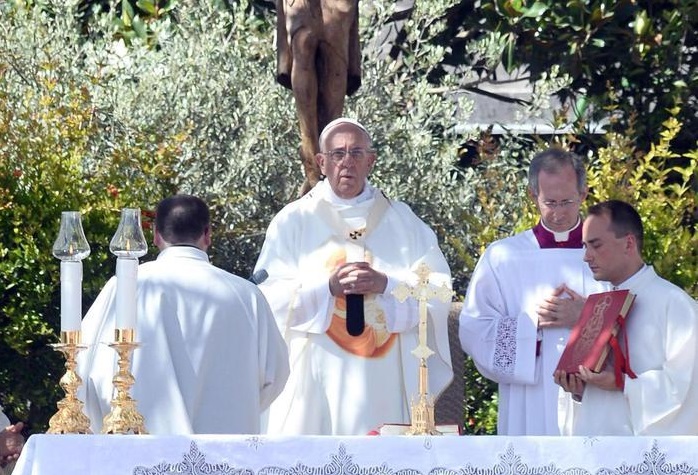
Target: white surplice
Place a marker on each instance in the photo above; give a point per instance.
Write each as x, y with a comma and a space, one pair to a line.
499, 330
210, 357
662, 335
333, 391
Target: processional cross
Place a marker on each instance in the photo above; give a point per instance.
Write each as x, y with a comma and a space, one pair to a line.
423, 410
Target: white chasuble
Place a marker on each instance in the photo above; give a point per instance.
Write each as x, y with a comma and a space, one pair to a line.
343, 385
499, 330
210, 357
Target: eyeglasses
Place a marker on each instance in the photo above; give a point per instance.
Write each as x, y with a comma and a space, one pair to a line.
552, 204
357, 154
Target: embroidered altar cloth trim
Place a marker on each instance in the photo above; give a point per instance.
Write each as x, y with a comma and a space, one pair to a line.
216, 454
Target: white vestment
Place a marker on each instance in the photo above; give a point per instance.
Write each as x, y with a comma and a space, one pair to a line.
210, 357
662, 336
499, 330
333, 390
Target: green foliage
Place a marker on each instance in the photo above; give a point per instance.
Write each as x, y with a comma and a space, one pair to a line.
659, 184
639, 51
57, 152
481, 401
140, 21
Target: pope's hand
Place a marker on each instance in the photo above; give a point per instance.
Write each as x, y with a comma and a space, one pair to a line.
561, 310
357, 278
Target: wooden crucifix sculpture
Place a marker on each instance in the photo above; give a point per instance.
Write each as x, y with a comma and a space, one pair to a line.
423, 409
319, 59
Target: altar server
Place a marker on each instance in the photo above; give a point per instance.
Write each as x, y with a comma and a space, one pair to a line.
210, 359
659, 395
525, 294
346, 244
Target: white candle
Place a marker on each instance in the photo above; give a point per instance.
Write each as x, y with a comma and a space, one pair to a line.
126, 288
71, 295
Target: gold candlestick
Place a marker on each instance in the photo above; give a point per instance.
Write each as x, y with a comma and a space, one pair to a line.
69, 419
124, 417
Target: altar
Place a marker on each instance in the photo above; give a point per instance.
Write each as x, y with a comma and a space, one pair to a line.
325, 455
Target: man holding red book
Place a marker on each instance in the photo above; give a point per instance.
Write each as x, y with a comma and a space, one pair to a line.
525, 294
662, 335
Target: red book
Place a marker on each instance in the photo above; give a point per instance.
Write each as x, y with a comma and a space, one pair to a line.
595, 331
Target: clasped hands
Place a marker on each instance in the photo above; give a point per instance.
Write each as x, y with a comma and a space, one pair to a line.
561, 310
357, 278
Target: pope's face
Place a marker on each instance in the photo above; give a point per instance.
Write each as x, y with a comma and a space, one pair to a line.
559, 199
346, 175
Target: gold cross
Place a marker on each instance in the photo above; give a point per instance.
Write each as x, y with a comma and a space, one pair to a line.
423, 292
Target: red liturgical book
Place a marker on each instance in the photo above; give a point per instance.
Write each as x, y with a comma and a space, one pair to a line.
595, 332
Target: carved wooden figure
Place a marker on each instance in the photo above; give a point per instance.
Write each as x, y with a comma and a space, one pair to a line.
319, 59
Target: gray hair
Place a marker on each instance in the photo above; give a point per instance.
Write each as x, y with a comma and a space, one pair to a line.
551, 161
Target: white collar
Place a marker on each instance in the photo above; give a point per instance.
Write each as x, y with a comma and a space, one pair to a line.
329, 195
561, 236
630, 281
183, 251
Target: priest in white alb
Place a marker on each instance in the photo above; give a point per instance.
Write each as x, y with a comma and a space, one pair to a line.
211, 357
658, 394
333, 258
525, 294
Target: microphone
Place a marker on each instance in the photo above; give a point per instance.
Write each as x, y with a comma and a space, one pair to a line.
355, 314
258, 277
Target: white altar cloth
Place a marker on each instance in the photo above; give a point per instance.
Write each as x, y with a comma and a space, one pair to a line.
324, 455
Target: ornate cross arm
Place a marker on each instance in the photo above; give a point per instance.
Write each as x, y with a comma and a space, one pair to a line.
423, 292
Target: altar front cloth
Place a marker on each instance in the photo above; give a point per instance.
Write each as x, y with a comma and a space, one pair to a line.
324, 455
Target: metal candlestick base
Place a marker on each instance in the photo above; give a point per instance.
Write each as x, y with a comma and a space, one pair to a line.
423, 410
69, 419
423, 418
124, 417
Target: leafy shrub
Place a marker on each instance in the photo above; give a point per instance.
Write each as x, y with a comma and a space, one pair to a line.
48, 133
661, 185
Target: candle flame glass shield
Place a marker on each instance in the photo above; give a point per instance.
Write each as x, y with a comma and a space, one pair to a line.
71, 247
128, 244
129, 241
71, 244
